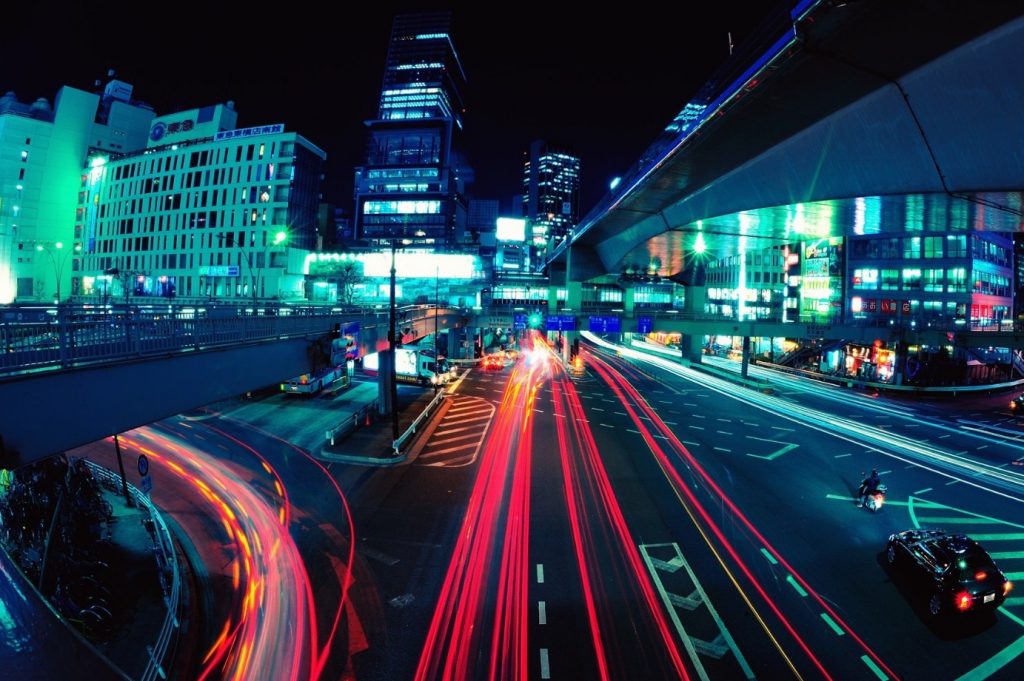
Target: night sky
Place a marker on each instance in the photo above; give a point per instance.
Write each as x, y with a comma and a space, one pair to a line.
602, 83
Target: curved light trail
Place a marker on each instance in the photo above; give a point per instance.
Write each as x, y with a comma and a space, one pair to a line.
272, 633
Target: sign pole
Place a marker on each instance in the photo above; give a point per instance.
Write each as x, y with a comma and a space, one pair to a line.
120, 465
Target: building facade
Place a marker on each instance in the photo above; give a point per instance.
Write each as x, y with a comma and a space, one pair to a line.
551, 193
943, 278
207, 210
748, 285
410, 186
43, 151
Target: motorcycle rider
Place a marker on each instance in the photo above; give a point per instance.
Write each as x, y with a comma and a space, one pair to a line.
868, 486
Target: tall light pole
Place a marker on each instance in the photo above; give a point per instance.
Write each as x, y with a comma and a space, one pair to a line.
437, 305
280, 238
393, 341
58, 260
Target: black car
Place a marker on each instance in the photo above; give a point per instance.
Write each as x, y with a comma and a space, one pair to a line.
956, 573
1017, 404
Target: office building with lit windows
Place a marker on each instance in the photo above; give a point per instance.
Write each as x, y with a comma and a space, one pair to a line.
410, 186
43, 151
961, 277
749, 285
207, 210
551, 193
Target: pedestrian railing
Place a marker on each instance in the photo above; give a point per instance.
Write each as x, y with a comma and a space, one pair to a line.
167, 562
351, 423
396, 445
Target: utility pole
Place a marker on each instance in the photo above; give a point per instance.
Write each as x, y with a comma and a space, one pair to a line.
393, 341
437, 305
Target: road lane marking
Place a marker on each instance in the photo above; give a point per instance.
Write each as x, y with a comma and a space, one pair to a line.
692, 444
982, 447
452, 439
562, 415
606, 425
722, 449
689, 404
841, 456
670, 423
540, 573
545, 669
943, 437
596, 409
1008, 555
539, 411
922, 491
769, 556
831, 622
630, 430
874, 667
542, 612
793, 583
723, 432
696, 427
1014, 576
724, 420
788, 430
620, 413
698, 416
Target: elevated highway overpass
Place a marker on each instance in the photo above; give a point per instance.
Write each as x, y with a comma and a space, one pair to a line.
847, 118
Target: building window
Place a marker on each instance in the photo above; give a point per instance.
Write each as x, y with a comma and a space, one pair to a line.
911, 280
933, 247
934, 280
956, 280
912, 248
956, 246
890, 280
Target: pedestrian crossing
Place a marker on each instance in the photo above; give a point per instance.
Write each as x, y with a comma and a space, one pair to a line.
459, 436
1003, 539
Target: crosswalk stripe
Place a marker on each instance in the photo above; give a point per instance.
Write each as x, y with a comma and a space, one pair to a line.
434, 441
427, 455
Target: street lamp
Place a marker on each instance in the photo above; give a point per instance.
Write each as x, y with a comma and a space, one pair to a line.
281, 237
58, 259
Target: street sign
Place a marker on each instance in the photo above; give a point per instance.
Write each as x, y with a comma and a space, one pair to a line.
520, 320
560, 322
605, 324
147, 484
644, 325
143, 465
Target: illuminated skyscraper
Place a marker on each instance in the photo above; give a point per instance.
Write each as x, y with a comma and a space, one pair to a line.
410, 186
551, 192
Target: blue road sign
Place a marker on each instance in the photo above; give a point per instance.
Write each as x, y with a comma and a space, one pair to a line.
560, 322
605, 324
143, 465
644, 325
520, 320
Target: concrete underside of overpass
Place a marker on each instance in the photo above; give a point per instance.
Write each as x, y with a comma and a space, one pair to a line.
879, 117
48, 411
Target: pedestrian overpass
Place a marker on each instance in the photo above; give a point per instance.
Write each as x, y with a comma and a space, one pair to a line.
73, 375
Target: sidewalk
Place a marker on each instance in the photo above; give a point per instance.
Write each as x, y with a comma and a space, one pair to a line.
369, 441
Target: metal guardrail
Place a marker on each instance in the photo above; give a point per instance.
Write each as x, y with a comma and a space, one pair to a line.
166, 558
396, 445
350, 424
33, 338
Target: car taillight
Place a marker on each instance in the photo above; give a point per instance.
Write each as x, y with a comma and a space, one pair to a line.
964, 601
979, 575
1006, 587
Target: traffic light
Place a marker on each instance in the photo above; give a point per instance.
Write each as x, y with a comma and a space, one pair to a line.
536, 320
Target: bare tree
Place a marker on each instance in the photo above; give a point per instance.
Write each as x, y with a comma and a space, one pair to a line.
348, 276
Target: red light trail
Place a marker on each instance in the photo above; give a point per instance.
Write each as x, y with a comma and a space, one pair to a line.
623, 389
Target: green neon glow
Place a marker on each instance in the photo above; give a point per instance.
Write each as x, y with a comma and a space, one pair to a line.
699, 246
793, 583
874, 667
830, 622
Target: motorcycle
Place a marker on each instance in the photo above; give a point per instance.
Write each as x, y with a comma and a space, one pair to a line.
876, 499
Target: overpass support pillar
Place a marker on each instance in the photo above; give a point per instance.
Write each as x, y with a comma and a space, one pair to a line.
628, 295
693, 307
745, 364
552, 299
574, 295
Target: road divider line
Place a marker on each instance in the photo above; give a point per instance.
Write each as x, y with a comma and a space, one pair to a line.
832, 623
723, 432
922, 491
696, 427
540, 573
769, 556
874, 667
841, 456
606, 425
545, 667
542, 612
796, 585
722, 449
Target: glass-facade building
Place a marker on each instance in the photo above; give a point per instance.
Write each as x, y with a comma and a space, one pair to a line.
410, 186
551, 193
206, 211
